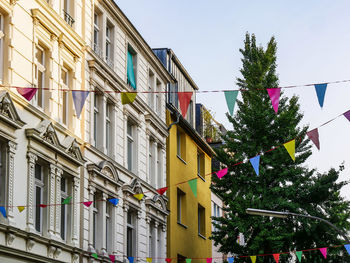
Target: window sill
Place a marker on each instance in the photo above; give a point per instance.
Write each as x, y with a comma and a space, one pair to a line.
200, 235
201, 177
179, 223
182, 160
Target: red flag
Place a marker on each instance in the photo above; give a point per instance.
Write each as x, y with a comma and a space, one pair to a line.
27, 93
168, 260
161, 191
42, 205
313, 136
276, 257
87, 204
184, 100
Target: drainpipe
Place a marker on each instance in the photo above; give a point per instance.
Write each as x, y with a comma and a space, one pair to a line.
175, 122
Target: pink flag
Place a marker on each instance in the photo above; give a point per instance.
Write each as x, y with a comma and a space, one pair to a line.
221, 173
313, 136
275, 97
87, 204
209, 260
27, 93
276, 257
184, 100
112, 258
324, 252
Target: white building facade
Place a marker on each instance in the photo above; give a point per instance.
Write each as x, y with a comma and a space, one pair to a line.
49, 156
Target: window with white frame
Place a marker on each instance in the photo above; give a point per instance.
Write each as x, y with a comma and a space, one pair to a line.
40, 76
189, 116
2, 36
96, 116
150, 241
40, 196
158, 99
108, 127
131, 234
181, 202
97, 40
3, 153
109, 45
65, 209
95, 225
150, 89
200, 164
159, 240
131, 146
152, 173
159, 167
68, 11
109, 233
201, 220
66, 105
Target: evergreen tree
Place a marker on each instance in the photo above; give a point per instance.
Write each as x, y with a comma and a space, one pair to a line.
283, 185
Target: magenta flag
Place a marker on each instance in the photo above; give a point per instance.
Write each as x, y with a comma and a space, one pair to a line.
347, 115
209, 260
221, 173
88, 203
313, 136
275, 97
184, 100
27, 93
112, 258
324, 252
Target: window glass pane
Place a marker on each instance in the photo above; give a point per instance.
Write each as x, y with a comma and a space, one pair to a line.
37, 208
38, 174
178, 207
129, 129
129, 242
63, 184
63, 220
130, 154
94, 219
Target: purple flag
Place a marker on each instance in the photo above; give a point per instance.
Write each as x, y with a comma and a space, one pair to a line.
79, 97
27, 93
275, 97
347, 115
313, 136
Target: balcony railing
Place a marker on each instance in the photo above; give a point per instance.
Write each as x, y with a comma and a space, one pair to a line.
110, 62
97, 50
67, 17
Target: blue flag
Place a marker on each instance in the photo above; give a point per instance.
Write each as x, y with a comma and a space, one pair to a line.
79, 97
114, 201
131, 259
321, 91
231, 259
255, 163
347, 247
3, 211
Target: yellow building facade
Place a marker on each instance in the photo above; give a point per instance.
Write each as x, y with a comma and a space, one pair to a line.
188, 171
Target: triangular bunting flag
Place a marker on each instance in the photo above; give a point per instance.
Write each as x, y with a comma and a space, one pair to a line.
149, 260
231, 96
131, 259
112, 258
231, 259
290, 147
184, 100
276, 257
313, 136
87, 204
79, 97
221, 173
320, 91
299, 254
3, 211
128, 97
188, 260
67, 200
168, 260
209, 260
161, 191
253, 259
42, 205
138, 196
114, 201
27, 93
347, 247
275, 97
324, 252
94, 255
21, 208
347, 115
193, 185
255, 163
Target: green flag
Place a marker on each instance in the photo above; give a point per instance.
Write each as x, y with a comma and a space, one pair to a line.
299, 254
188, 260
231, 96
94, 255
193, 185
67, 200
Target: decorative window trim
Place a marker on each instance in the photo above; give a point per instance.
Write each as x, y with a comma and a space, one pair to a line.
8, 112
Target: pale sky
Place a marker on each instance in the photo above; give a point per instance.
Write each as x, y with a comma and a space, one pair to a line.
313, 47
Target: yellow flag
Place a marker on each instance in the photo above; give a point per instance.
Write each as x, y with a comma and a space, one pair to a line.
253, 259
138, 196
149, 260
128, 97
21, 208
290, 147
